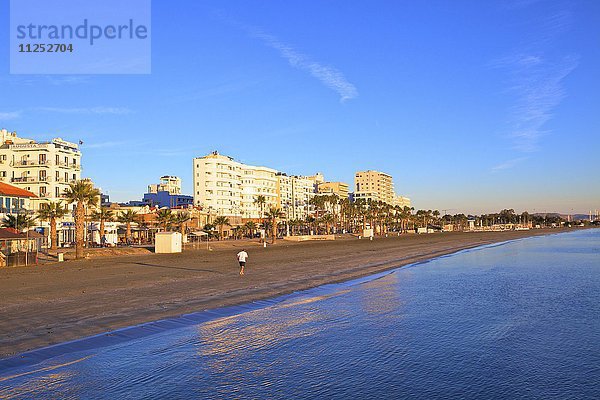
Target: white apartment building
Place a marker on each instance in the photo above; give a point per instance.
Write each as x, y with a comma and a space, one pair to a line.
218, 184
226, 187
257, 181
294, 195
44, 168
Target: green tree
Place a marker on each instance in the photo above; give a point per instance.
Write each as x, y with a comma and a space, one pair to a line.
250, 227
18, 222
221, 221
102, 215
273, 215
127, 218
165, 218
181, 219
51, 212
261, 201
83, 194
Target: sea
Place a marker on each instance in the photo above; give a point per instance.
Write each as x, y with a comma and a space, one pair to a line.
513, 320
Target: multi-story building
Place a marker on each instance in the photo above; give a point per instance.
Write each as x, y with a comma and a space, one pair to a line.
257, 181
14, 200
402, 201
294, 195
227, 187
168, 183
338, 188
218, 184
375, 186
44, 168
167, 193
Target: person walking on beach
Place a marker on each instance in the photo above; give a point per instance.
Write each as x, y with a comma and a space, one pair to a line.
242, 256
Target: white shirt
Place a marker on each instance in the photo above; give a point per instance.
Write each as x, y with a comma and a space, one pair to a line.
242, 256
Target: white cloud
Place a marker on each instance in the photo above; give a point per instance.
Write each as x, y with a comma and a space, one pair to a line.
538, 88
5, 116
509, 164
329, 76
87, 110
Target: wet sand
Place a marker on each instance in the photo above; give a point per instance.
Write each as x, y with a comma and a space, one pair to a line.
54, 303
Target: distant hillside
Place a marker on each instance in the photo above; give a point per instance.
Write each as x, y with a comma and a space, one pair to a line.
576, 217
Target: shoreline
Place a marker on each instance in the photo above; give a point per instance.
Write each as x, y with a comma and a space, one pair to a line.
81, 299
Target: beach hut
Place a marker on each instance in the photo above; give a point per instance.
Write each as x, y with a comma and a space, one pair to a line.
17, 248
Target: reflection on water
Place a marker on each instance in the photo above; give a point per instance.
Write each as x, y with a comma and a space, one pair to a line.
521, 320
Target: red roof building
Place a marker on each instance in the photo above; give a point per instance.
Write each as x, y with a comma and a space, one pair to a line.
7, 190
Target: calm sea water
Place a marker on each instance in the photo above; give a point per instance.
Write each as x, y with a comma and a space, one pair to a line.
517, 320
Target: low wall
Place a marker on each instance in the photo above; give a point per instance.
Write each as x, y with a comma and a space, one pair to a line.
303, 238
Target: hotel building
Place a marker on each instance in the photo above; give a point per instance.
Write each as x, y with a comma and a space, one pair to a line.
44, 168
374, 186
227, 187
377, 186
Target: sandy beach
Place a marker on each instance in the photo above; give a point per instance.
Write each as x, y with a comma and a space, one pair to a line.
59, 302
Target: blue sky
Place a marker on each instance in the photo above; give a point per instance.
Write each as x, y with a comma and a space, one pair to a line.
470, 106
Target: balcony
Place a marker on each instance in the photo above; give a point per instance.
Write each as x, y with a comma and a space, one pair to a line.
23, 179
30, 163
31, 179
64, 181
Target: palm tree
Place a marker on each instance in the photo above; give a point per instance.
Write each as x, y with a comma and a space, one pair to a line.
261, 200
84, 194
273, 214
221, 221
103, 214
327, 219
127, 217
18, 221
181, 219
164, 217
52, 211
251, 227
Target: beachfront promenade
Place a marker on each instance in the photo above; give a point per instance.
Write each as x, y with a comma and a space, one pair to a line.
59, 302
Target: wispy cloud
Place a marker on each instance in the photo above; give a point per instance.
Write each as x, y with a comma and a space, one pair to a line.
538, 88
509, 164
536, 81
67, 80
5, 116
103, 145
87, 110
329, 76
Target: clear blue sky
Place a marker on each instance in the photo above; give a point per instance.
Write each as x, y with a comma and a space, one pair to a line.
470, 106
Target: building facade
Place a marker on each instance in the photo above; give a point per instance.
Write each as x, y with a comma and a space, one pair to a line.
374, 186
227, 187
168, 183
294, 195
167, 193
338, 188
45, 169
402, 201
217, 184
14, 200
257, 181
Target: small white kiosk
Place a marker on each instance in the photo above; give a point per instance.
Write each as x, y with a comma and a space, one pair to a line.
167, 242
